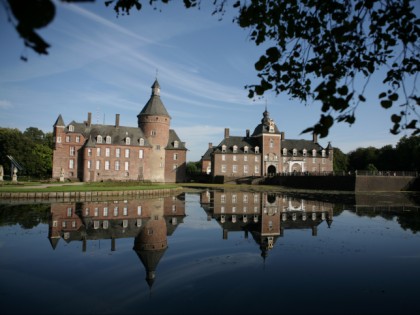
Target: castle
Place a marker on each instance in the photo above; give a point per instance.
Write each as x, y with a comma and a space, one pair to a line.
93, 152
266, 152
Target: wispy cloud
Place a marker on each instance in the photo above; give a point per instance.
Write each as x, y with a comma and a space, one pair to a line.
4, 104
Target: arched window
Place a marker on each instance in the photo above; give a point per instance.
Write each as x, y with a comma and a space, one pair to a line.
141, 142
304, 152
313, 152
99, 139
246, 149
284, 151
127, 141
223, 148
235, 149
108, 139
294, 152
257, 149
323, 153
71, 128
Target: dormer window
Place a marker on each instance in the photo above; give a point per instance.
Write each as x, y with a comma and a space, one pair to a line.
246, 149
99, 139
223, 148
304, 152
271, 127
257, 149
141, 141
235, 149
313, 152
71, 128
108, 139
323, 153
127, 141
294, 152
176, 144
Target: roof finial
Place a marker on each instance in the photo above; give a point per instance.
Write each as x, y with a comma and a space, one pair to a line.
157, 72
266, 105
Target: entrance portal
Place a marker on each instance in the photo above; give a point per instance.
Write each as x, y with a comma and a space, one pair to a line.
271, 171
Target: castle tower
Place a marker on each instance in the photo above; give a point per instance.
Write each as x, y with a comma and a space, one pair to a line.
59, 136
155, 121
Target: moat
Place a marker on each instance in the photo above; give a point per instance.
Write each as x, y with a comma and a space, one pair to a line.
212, 252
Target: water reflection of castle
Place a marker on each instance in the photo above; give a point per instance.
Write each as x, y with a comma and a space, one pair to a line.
266, 216
148, 221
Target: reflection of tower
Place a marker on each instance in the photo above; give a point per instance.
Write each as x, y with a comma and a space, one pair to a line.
150, 245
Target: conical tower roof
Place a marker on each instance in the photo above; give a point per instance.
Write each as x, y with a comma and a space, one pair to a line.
59, 122
154, 106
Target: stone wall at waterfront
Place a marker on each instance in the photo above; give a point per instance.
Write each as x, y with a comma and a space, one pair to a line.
85, 195
348, 183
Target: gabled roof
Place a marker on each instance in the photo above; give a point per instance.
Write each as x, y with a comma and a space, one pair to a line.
172, 138
240, 142
207, 155
154, 106
299, 145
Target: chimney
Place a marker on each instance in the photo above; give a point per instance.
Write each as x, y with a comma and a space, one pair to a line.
247, 133
315, 137
226, 133
282, 135
117, 120
210, 145
89, 121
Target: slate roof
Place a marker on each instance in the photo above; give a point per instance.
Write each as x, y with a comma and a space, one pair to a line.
240, 142
154, 106
264, 126
207, 154
59, 122
299, 145
172, 138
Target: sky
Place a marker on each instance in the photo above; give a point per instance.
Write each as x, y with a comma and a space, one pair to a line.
106, 65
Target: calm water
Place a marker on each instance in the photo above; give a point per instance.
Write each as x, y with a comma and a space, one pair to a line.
213, 252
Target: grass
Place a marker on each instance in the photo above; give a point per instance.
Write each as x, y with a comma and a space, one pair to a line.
72, 187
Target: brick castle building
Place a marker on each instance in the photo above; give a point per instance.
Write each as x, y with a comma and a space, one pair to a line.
93, 152
266, 152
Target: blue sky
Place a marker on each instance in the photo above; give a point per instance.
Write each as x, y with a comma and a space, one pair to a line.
106, 65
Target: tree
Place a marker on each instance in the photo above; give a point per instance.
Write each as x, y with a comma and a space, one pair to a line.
341, 161
320, 51
35, 134
408, 152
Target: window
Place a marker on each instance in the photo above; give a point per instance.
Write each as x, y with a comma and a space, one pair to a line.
89, 152
175, 156
223, 168
313, 152
77, 139
234, 198
117, 165
255, 198
115, 211
257, 149
107, 152
127, 141
71, 128
158, 147
72, 151
105, 224
98, 165
69, 212
125, 223
141, 154
223, 157
126, 166
222, 198
323, 153
138, 210
323, 160
246, 149
245, 198
304, 152
153, 133
67, 138
89, 164
96, 212
108, 139
99, 139
105, 211
71, 164
245, 169
234, 168
234, 158
245, 158
284, 151
141, 142
257, 169
125, 211
107, 165
127, 153
235, 149
117, 152
98, 151
176, 144
271, 143
223, 148
174, 167
294, 152
58, 139
256, 158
